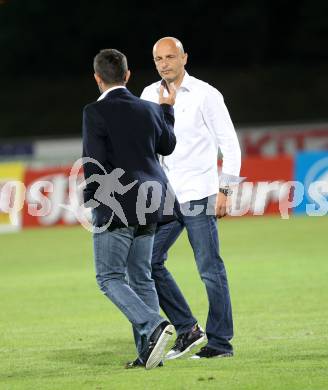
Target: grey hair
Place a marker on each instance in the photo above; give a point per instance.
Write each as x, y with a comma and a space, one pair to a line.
111, 66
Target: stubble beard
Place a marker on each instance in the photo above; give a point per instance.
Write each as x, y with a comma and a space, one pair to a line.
170, 79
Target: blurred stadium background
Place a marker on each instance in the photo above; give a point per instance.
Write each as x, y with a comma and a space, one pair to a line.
270, 61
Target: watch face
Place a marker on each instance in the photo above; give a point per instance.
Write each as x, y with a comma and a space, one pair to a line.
226, 191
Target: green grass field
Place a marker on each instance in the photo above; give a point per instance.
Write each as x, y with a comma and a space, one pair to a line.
57, 331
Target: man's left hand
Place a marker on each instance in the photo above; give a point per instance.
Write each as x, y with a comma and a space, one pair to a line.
223, 205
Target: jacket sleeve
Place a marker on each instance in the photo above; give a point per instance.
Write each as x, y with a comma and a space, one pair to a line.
167, 140
94, 147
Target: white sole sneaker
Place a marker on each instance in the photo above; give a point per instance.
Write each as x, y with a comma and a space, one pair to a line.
223, 355
158, 352
191, 346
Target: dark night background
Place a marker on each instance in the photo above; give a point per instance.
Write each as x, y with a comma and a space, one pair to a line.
268, 58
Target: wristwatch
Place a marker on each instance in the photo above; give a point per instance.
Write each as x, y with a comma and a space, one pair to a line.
226, 191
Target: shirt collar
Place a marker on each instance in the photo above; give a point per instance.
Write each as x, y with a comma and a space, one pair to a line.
104, 94
186, 82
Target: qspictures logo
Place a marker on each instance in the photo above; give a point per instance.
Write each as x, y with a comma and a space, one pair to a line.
12, 196
311, 169
57, 197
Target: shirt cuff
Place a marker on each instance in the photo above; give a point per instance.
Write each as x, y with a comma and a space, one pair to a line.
226, 180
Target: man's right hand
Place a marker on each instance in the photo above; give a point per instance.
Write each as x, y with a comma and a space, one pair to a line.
170, 99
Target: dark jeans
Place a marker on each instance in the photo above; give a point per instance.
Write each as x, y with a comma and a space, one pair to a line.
203, 237
123, 272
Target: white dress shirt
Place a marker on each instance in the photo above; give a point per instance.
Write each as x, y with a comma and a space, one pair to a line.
202, 126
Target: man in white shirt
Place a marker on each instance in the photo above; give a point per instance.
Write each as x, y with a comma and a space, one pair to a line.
202, 126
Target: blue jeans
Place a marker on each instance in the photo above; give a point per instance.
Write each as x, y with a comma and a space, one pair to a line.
123, 273
203, 237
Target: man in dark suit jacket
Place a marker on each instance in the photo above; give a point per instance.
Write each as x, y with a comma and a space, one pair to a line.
126, 188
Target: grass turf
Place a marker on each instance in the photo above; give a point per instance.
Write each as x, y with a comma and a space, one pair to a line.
58, 332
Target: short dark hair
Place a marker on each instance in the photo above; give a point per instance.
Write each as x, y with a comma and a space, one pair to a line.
111, 66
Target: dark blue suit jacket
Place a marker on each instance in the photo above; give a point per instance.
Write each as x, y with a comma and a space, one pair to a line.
125, 132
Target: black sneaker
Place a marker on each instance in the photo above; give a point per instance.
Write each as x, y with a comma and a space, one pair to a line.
138, 363
186, 341
207, 352
135, 364
156, 345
